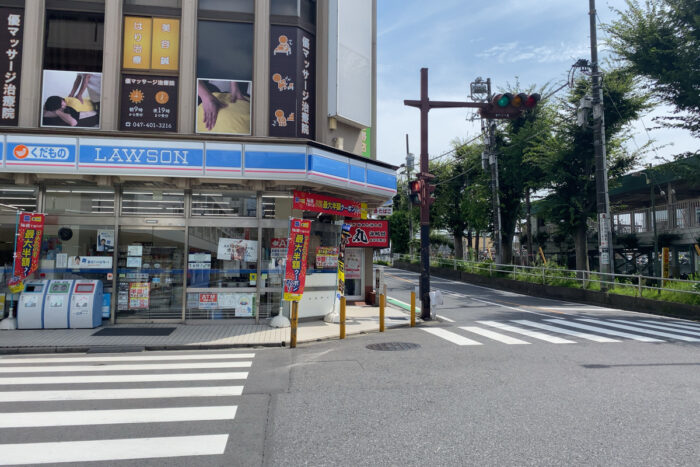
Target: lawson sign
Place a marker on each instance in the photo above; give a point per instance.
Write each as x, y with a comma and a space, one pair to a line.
291, 162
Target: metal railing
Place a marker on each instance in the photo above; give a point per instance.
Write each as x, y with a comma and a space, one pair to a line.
682, 215
637, 285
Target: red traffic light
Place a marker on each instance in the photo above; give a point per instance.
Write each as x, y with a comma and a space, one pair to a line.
532, 100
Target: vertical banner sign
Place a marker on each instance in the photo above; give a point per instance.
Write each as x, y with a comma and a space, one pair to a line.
292, 85
10, 63
327, 204
344, 237
149, 103
366, 142
29, 233
295, 272
137, 42
165, 51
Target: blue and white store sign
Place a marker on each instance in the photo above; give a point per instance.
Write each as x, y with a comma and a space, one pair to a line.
77, 155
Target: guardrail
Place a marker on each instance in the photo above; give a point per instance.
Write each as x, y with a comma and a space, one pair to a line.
637, 285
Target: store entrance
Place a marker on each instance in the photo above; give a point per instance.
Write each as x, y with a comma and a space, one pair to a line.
354, 266
150, 265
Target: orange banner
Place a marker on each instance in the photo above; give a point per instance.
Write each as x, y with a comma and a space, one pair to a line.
165, 52
137, 42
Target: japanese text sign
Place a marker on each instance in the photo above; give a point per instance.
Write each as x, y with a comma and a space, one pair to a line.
369, 233
137, 42
327, 204
29, 233
149, 103
10, 63
151, 43
297, 251
166, 44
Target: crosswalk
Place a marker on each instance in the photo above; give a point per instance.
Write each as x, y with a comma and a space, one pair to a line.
155, 395
582, 329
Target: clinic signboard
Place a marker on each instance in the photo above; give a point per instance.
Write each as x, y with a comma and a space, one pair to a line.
149, 103
11, 36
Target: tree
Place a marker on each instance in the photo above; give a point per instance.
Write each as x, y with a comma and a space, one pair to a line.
567, 156
661, 41
454, 209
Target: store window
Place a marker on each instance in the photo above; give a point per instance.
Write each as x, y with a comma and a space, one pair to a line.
150, 273
79, 200
222, 272
153, 202
72, 77
230, 6
277, 206
17, 198
224, 70
305, 10
214, 203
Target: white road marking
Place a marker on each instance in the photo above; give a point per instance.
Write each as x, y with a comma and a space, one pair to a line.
658, 326
137, 378
445, 319
527, 332
508, 307
569, 332
112, 449
112, 417
105, 394
145, 366
603, 330
218, 356
494, 335
448, 336
642, 330
578, 308
676, 324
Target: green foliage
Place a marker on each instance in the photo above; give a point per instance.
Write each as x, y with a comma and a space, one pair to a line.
661, 41
399, 231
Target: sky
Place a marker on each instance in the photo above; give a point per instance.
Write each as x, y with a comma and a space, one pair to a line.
534, 42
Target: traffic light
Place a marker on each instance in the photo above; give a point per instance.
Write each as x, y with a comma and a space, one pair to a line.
414, 188
429, 189
509, 105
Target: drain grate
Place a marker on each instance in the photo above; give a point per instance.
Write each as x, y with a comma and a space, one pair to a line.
393, 346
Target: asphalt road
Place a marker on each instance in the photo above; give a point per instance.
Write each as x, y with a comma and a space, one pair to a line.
512, 388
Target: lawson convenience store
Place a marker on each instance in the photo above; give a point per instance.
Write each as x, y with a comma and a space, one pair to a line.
184, 229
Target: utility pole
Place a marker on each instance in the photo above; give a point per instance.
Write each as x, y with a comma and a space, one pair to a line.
504, 106
601, 171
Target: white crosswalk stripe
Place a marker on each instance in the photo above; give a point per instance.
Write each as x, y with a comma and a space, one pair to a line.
675, 324
527, 332
450, 336
657, 326
642, 330
195, 384
609, 332
559, 330
494, 335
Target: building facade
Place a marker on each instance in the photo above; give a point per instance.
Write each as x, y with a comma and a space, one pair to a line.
165, 141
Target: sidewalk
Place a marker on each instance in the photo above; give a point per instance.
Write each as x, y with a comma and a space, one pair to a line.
211, 335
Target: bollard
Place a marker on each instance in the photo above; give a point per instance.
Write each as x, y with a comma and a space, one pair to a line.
413, 309
295, 319
342, 317
382, 297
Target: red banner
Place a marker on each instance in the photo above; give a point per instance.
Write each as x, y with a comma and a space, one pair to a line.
29, 232
297, 252
327, 204
370, 234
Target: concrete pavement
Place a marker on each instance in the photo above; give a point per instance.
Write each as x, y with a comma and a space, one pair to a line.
201, 335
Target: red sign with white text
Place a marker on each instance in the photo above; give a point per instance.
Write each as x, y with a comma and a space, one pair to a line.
297, 252
327, 204
29, 233
369, 234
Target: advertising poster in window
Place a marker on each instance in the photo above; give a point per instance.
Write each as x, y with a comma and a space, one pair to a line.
71, 99
151, 43
148, 103
292, 82
353, 263
223, 106
326, 257
11, 33
237, 250
297, 252
139, 293
105, 240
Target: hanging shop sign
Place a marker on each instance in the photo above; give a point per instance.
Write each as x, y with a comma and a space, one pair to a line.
369, 233
383, 211
30, 229
11, 33
327, 204
292, 82
297, 252
148, 103
151, 43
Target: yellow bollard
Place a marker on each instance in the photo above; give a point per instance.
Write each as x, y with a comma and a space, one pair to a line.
413, 309
342, 317
382, 298
295, 319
